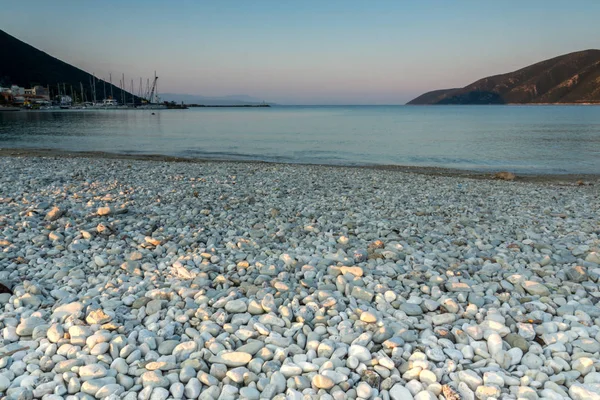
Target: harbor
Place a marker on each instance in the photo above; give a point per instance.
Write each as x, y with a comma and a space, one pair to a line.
66, 97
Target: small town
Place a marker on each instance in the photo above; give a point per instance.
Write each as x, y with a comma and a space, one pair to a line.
67, 96
14, 98
23, 97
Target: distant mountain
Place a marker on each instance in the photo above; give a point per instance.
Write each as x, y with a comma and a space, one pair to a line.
26, 66
210, 101
568, 79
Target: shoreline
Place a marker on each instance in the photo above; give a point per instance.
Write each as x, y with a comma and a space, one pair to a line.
421, 170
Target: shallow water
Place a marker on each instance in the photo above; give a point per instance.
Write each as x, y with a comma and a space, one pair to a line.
523, 139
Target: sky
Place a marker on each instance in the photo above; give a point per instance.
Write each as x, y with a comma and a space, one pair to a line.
308, 52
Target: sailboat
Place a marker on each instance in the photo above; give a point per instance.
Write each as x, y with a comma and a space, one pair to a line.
153, 101
109, 102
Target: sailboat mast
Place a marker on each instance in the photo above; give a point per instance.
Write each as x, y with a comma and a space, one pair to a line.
94, 88
104, 85
123, 89
155, 88
140, 89
111, 86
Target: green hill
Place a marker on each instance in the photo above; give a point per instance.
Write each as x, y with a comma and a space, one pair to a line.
28, 66
568, 79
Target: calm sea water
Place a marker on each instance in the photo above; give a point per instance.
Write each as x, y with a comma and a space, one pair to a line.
524, 139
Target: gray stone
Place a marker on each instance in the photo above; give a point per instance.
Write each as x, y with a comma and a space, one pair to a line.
411, 309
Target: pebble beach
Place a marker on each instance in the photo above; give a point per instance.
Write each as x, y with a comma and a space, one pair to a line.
154, 280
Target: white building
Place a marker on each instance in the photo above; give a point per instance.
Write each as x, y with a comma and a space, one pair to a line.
41, 91
17, 90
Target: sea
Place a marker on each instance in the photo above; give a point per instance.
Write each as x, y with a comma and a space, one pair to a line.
540, 139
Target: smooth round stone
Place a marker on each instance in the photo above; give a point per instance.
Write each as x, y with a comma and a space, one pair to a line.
427, 377
532, 361
177, 390
237, 374
325, 349
186, 373
289, 370
352, 362
55, 333
535, 288
4, 383
159, 393
493, 378
593, 257
99, 349
93, 371
27, 325
399, 392
471, 378
112, 389
494, 343
489, 392
166, 347
361, 353
443, 319
584, 365
515, 354
364, 390
236, 306
425, 395
390, 296
435, 354
515, 340
587, 345
592, 377
411, 309
250, 393
183, 350
154, 379
193, 389
322, 382
120, 365
368, 317
232, 359
92, 386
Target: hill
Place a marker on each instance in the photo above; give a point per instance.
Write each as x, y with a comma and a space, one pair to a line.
568, 79
28, 66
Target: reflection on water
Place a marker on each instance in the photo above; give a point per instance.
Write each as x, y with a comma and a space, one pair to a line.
536, 139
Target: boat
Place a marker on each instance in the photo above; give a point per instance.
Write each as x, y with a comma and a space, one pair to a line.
65, 102
109, 104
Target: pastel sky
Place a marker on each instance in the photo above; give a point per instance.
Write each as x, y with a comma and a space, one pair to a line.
308, 52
